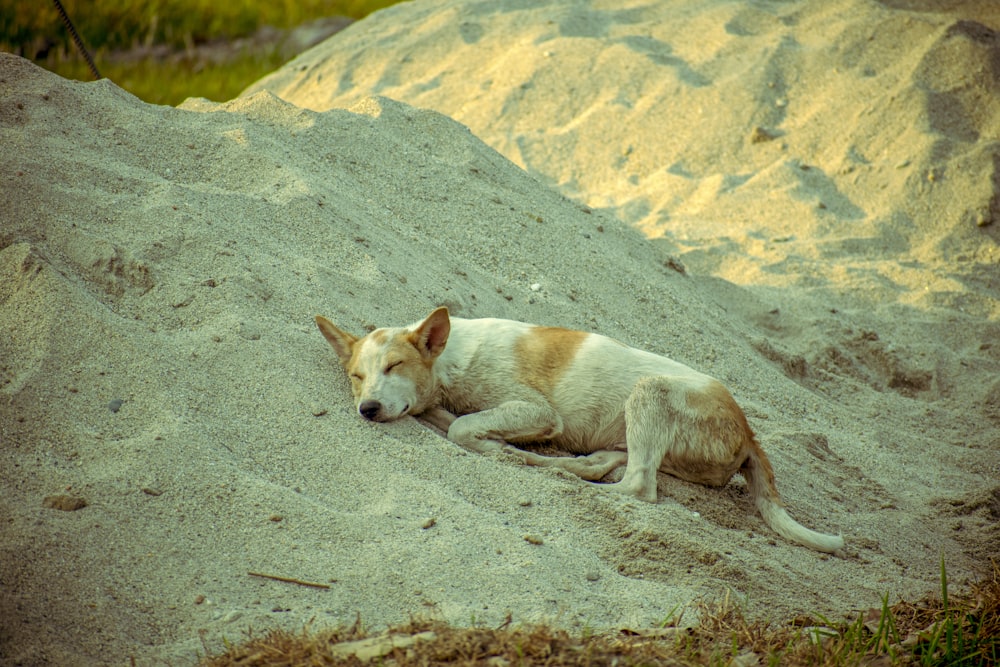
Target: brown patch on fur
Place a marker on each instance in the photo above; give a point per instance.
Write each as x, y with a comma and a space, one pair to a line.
544, 353
725, 422
728, 438
719, 411
414, 364
714, 400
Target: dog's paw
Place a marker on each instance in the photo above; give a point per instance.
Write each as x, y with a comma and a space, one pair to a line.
630, 489
595, 466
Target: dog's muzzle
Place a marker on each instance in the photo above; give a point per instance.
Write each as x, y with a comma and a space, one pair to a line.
373, 410
370, 409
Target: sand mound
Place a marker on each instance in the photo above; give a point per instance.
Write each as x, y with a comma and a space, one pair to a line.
170, 420
855, 133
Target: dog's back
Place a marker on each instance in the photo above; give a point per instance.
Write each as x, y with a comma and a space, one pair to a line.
585, 377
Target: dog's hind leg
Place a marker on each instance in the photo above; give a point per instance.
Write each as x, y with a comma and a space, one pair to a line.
690, 431
522, 421
592, 467
650, 426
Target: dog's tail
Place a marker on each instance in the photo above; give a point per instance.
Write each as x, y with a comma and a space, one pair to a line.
760, 479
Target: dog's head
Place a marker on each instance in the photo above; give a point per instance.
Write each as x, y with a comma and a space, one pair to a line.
392, 369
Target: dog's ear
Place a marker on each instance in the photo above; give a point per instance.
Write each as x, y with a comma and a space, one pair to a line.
341, 341
431, 335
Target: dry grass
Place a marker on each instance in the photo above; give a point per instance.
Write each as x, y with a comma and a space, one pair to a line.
956, 629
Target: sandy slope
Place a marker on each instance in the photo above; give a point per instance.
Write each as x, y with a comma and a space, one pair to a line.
159, 269
817, 131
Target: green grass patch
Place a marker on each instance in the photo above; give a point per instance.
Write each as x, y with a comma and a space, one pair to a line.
164, 51
160, 81
125, 24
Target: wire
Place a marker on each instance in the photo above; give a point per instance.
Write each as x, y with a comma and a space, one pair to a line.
76, 39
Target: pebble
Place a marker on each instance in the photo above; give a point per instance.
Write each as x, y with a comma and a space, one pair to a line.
64, 503
533, 539
748, 659
592, 575
116, 405
524, 502
182, 302
759, 135
373, 649
428, 523
249, 331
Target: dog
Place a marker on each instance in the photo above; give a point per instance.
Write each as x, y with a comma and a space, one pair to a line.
492, 383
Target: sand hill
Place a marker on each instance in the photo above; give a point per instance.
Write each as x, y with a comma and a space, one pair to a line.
797, 199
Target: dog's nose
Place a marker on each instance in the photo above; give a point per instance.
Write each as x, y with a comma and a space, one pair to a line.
369, 409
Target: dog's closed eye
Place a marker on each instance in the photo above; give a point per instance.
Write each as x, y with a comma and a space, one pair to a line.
392, 365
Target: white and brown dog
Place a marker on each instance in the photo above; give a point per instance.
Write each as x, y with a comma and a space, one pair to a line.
490, 382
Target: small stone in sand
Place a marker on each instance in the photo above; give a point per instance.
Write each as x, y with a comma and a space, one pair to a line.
64, 502
759, 135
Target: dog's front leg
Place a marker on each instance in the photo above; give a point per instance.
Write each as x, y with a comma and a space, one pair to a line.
489, 430
438, 418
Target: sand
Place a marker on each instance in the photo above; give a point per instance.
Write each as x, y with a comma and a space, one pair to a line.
798, 199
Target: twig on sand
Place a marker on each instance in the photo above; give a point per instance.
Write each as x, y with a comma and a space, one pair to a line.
288, 579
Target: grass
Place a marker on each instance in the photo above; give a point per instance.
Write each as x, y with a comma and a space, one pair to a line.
164, 51
157, 82
953, 629
126, 24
